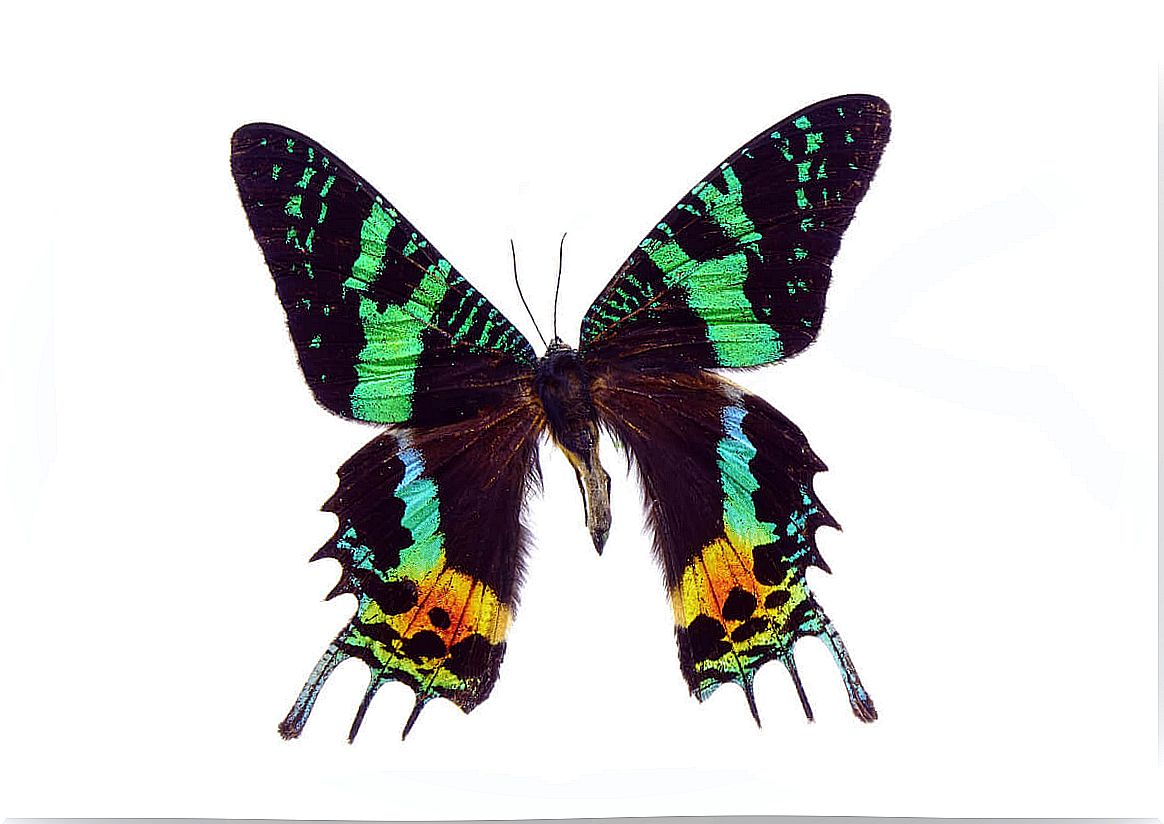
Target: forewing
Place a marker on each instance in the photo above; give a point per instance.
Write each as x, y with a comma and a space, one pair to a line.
431, 544
728, 487
735, 275
385, 328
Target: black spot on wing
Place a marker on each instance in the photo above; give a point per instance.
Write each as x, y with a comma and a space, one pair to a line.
379, 631
707, 638
424, 644
393, 597
749, 628
769, 564
739, 605
474, 657
776, 599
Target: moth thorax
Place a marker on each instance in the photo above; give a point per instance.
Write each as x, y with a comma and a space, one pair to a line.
564, 390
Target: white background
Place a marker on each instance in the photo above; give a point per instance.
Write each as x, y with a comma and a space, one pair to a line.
984, 392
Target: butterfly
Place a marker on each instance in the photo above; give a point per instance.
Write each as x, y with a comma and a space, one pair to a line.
430, 536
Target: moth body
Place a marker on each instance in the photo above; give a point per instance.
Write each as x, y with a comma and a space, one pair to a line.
563, 388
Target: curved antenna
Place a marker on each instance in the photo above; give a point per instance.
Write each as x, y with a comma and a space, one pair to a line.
513, 249
558, 286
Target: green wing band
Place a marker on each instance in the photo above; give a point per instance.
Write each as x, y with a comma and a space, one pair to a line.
736, 274
386, 329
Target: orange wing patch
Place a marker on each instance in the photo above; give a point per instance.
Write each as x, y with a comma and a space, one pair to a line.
743, 599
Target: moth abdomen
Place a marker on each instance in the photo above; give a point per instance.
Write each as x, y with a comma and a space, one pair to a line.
563, 388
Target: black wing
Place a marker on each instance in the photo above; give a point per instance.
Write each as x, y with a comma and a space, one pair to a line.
431, 543
430, 536
735, 275
386, 329
728, 485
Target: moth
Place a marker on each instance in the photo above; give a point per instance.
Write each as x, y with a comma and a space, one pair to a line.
430, 535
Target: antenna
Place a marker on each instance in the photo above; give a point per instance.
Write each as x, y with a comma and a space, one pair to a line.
513, 249
558, 286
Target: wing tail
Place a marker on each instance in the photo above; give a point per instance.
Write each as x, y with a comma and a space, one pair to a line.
430, 542
292, 725
728, 486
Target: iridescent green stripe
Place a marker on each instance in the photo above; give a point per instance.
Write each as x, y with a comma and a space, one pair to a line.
736, 453
715, 287
422, 518
739, 482
715, 292
726, 208
386, 366
373, 247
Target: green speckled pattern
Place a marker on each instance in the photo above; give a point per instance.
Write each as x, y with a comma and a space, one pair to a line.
736, 274
386, 329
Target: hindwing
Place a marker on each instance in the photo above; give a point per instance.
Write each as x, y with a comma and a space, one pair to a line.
728, 487
385, 328
735, 275
431, 544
